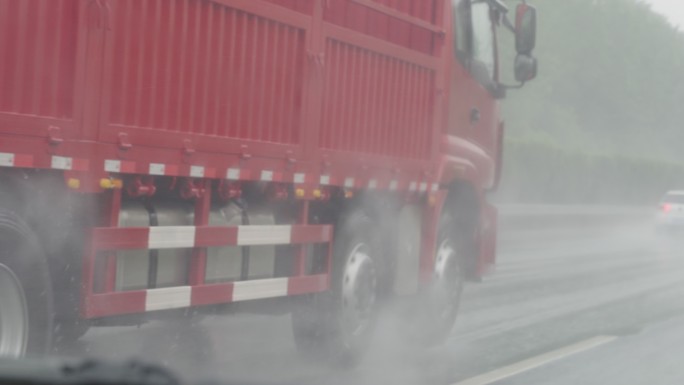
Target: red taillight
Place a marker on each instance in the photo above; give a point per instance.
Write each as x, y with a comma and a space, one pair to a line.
666, 207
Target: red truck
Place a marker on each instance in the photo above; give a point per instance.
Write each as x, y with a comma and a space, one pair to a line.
175, 157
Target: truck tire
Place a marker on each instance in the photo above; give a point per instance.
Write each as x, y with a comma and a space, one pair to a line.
337, 325
25, 291
437, 306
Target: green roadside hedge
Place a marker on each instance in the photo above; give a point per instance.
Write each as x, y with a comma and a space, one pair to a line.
536, 172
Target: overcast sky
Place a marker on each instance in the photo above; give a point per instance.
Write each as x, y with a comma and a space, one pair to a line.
673, 9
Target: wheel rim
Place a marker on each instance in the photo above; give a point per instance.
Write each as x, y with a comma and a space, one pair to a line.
358, 290
448, 282
13, 315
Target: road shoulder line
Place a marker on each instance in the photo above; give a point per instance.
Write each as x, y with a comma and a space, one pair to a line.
537, 361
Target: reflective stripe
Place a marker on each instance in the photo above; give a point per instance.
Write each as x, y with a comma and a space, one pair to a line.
6, 160
266, 175
197, 171
112, 165
263, 288
393, 185
412, 186
349, 182
233, 173
372, 184
325, 179
168, 237
299, 178
168, 298
157, 169
264, 235
61, 163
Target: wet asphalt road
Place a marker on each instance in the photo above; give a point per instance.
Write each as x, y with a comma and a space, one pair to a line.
552, 287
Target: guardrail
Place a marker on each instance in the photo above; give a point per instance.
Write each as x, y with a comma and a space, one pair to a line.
514, 218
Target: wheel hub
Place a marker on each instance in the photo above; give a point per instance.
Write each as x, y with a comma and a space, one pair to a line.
13, 315
447, 282
358, 290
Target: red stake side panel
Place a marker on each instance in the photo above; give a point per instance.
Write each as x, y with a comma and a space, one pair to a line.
38, 65
331, 85
206, 69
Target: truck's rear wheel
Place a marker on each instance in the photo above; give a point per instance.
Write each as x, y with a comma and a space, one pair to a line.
25, 291
337, 325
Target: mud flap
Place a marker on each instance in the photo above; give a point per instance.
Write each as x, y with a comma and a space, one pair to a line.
488, 231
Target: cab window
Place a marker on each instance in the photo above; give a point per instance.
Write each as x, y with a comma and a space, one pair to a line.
474, 38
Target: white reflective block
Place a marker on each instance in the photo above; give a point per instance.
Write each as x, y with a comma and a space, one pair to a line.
233, 173
264, 235
61, 163
266, 175
325, 179
171, 237
349, 182
299, 178
197, 171
6, 159
112, 165
157, 169
263, 288
372, 184
168, 298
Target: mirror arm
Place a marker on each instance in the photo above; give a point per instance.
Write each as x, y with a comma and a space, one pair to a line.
507, 23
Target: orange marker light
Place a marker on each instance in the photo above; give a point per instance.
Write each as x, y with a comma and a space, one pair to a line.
74, 183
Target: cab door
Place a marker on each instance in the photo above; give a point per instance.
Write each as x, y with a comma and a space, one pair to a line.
474, 110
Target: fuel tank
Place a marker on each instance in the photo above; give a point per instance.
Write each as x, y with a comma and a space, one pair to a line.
142, 269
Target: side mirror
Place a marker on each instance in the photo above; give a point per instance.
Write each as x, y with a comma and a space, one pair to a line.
525, 68
525, 29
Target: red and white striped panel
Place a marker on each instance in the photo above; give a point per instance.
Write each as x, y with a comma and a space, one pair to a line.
202, 172
169, 237
68, 163
16, 160
140, 301
162, 169
119, 166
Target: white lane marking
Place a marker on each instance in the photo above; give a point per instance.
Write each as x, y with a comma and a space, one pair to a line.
263, 288
252, 235
169, 237
168, 298
537, 361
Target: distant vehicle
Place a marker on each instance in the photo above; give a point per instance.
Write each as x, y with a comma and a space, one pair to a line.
671, 213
